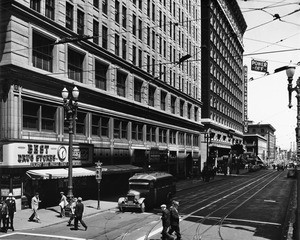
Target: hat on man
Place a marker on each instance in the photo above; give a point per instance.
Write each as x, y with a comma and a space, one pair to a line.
10, 195
79, 199
61, 192
175, 203
163, 206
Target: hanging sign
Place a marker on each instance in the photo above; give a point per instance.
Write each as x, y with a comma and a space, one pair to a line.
260, 66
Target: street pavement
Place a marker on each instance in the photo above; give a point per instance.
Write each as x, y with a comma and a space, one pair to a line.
51, 215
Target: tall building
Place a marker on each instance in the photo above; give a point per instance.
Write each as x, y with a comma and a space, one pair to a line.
136, 66
222, 77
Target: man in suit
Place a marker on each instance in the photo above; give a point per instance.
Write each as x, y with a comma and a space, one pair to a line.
35, 201
174, 220
11, 204
78, 214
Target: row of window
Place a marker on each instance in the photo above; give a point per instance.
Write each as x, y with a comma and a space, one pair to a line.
42, 57
44, 118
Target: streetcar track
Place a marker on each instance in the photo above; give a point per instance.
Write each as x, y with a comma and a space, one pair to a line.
199, 234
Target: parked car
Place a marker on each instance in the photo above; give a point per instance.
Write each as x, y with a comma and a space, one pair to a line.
291, 170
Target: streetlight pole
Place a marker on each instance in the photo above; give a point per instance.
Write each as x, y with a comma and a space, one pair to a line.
98, 178
70, 112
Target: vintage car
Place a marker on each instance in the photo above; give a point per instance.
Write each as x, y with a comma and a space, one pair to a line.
132, 201
291, 170
148, 190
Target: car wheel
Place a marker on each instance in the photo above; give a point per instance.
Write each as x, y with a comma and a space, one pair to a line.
143, 207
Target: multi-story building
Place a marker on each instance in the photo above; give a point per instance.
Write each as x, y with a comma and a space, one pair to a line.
255, 146
268, 132
222, 76
136, 66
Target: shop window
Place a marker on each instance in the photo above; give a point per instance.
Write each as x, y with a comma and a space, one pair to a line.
75, 65
39, 117
42, 52
101, 75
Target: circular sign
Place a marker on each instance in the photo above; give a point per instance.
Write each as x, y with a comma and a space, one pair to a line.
62, 153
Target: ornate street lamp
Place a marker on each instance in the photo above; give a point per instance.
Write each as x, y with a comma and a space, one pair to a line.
70, 112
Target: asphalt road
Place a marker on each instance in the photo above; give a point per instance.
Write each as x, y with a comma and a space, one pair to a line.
248, 206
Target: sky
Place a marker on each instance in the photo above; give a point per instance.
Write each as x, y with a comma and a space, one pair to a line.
277, 41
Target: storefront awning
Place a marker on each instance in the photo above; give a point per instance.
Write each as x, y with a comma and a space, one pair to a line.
54, 173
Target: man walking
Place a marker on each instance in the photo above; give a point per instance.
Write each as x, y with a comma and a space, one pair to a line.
73, 205
4, 215
78, 214
174, 220
62, 203
165, 218
35, 206
11, 205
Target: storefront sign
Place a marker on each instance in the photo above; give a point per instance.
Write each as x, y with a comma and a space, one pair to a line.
260, 66
44, 155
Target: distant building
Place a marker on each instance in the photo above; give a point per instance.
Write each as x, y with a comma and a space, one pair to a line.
255, 146
268, 132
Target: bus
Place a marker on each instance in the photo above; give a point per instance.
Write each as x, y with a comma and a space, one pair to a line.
148, 190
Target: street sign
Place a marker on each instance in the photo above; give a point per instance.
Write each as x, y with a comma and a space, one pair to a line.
260, 66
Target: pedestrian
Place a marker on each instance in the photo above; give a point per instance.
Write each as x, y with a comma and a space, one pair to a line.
174, 220
63, 203
35, 206
72, 206
11, 204
4, 215
78, 214
165, 218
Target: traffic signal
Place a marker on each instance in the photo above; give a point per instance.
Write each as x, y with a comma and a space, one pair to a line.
98, 172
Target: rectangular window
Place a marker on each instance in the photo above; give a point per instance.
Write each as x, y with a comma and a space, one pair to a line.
42, 50
163, 96
104, 6
75, 65
120, 129
140, 58
104, 37
134, 25
95, 31
148, 35
137, 132
151, 94
189, 139
153, 12
153, 66
121, 84
195, 140
134, 55
140, 4
80, 22
38, 117
189, 110
124, 16
80, 123
162, 136
117, 44
172, 137
35, 5
148, 8
151, 134
49, 9
69, 16
153, 39
173, 105
101, 75
181, 138
140, 31
124, 48
137, 90
117, 11
148, 64
181, 108
96, 3
100, 126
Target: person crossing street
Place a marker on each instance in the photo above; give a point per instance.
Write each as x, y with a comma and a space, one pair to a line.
11, 205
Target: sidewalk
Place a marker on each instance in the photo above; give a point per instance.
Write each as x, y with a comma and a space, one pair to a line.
51, 216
